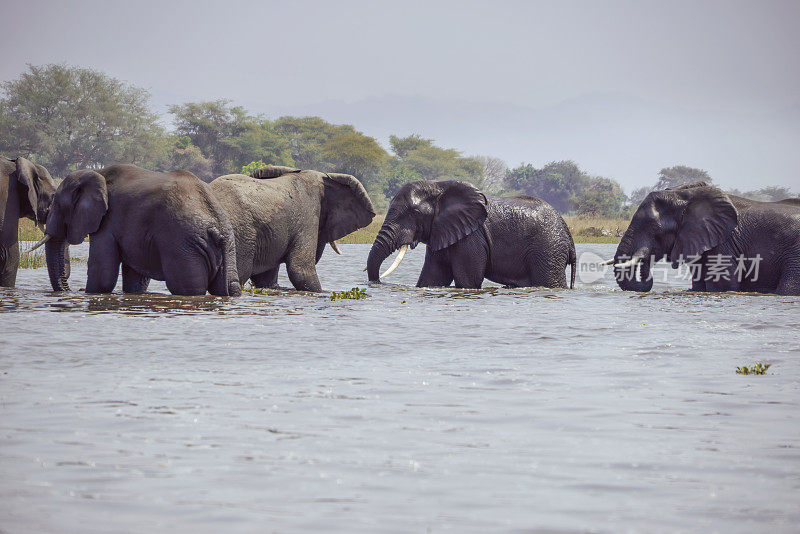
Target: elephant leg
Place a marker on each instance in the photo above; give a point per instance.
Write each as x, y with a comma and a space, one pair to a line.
436, 272
469, 259
302, 270
133, 281
267, 279
8, 268
470, 272
547, 269
8, 278
104, 261
188, 277
789, 282
698, 276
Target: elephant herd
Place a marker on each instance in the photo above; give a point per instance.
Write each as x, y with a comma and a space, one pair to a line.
212, 238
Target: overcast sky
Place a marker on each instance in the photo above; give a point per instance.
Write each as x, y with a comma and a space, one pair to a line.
699, 56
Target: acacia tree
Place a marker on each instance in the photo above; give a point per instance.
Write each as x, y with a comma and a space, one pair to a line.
672, 177
354, 153
557, 183
68, 117
567, 188
494, 173
228, 136
307, 137
430, 162
601, 196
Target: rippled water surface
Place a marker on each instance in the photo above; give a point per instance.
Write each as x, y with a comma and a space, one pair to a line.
414, 410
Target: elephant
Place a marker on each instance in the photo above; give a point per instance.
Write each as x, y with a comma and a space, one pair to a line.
166, 226
519, 242
26, 190
287, 215
731, 243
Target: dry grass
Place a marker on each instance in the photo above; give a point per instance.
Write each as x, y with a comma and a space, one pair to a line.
596, 229
35, 259
28, 231
366, 235
32, 260
584, 230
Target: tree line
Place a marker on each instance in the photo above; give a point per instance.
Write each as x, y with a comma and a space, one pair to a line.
68, 118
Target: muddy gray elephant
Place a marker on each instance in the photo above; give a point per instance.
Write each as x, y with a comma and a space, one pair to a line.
163, 226
518, 242
287, 215
26, 190
730, 243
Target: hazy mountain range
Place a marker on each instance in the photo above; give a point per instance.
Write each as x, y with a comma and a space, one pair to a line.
619, 136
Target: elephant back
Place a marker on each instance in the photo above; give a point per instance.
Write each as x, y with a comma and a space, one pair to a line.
273, 171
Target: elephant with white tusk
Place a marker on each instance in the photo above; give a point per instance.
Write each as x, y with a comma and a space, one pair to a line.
733, 243
517, 242
285, 215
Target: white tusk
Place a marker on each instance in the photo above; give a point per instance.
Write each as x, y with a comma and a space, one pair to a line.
397, 261
607, 262
335, 247
41, 242
630, 262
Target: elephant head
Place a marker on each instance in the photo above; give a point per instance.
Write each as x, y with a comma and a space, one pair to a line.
36, 192
673, 224
80, 203
435, 213
346, 207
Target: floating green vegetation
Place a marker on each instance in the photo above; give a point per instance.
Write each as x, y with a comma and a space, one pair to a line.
756, 369
256, 290
356, 293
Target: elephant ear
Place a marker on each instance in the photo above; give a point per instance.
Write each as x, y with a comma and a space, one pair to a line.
460, 210
273, 171
708, 219
346, 206
89, 206
28, 175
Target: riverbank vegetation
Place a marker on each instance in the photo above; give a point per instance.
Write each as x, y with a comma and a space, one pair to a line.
67, 118
38, 260
584, 229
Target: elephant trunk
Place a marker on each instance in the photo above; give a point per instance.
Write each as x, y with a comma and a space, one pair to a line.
632, 266
57, 254
635, 277
383, 245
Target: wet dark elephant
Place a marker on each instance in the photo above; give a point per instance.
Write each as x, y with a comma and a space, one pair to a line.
26, 190
518, 242
732, 243
163, 226
285, 215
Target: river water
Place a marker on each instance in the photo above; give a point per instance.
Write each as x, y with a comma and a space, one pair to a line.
414, 410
